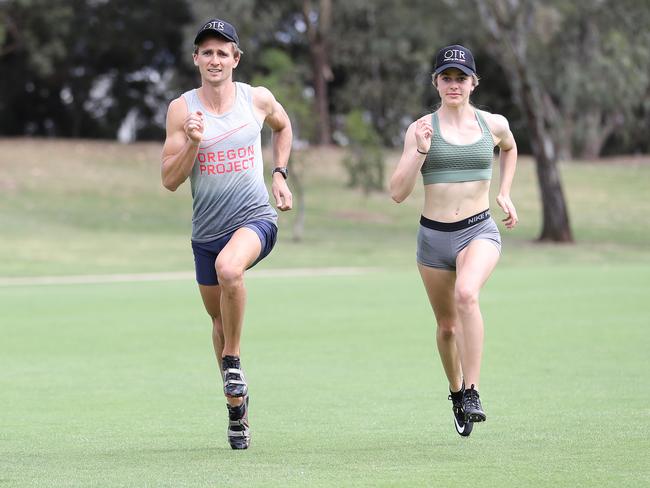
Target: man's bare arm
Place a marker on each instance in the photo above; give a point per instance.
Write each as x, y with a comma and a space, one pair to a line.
184, 133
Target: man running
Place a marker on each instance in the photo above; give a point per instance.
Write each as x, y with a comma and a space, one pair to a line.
213, 137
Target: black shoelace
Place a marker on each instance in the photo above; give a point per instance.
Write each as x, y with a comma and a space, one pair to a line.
472, 399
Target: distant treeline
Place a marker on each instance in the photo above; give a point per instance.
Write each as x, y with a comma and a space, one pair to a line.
107, 69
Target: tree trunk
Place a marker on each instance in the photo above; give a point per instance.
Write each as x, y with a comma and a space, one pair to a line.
317, 35
555, 216
509, 25
11, 33
596, 132
297, 165
321, 94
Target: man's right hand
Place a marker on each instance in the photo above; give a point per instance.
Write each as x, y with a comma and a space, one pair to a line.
184, 135
194, 127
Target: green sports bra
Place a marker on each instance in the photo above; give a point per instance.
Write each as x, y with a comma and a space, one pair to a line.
453, 163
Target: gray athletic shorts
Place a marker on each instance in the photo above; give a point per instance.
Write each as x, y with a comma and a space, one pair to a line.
440, 242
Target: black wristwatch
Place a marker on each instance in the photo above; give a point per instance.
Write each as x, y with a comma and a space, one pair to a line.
283, 171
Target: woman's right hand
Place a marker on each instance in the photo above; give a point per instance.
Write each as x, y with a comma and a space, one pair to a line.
423, 133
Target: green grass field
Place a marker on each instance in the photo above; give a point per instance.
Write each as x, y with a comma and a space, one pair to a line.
116, 385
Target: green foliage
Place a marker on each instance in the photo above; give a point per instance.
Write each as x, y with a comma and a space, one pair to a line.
590, 58
604, 45
282, 76
381, 57
365, 160
79, 67
41, 37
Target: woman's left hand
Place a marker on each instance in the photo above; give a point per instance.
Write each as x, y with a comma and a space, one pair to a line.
509, 209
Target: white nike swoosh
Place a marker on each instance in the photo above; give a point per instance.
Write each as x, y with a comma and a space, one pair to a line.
458, 427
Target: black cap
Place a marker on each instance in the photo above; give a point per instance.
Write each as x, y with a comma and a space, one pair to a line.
217, 27
455, 56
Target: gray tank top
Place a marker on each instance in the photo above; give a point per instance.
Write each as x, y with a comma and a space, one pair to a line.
227, 179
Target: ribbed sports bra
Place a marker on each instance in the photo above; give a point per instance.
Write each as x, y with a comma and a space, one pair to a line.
453, 163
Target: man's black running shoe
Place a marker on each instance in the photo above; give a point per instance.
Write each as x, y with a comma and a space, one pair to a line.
234, 382
472, 406
239, 434
463, 427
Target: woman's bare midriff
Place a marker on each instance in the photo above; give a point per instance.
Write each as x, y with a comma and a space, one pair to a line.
451, 202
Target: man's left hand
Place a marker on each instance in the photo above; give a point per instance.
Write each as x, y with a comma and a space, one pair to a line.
281, 192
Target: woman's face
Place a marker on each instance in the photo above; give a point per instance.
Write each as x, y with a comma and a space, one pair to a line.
454, 87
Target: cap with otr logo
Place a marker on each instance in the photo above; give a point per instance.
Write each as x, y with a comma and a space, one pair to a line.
455, 56
217, 27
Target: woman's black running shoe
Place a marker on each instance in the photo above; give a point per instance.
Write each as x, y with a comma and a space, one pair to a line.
463, 427
472, 406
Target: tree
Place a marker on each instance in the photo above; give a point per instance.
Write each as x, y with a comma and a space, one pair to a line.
319, 23
79, 67
365, 160
578, 70
510, 27
381, 60
298, 27
359, 60
32, 47
608, 43
280, 75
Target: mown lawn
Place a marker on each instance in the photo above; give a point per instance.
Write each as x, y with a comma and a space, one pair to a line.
116, 384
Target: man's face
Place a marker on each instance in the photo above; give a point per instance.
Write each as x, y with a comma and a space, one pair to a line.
216, 58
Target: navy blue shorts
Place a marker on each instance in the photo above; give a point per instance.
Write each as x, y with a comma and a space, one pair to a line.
205, 253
